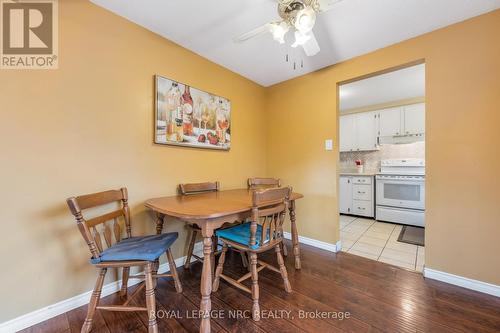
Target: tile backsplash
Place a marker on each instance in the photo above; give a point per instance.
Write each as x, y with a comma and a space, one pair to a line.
371, 159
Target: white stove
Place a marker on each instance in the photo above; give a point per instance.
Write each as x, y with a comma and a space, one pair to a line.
400, 189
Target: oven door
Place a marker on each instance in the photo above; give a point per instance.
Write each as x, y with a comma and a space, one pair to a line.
395, 191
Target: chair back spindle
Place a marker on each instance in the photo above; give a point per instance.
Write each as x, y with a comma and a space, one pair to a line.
269, 209
89, 228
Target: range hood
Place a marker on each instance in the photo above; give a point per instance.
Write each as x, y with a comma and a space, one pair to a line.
401, 139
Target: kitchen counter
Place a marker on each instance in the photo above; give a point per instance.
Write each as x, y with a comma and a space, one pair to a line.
369, 173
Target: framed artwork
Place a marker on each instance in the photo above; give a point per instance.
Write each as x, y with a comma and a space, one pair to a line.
186, 116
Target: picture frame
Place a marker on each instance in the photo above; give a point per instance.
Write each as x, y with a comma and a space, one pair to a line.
189, 117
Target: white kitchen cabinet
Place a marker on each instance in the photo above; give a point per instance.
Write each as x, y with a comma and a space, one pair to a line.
358, 132
345, 195
362, 180
390, 122
356, 195
414, 119
362, 208
402, 121
361, 192
366, 131
347, 132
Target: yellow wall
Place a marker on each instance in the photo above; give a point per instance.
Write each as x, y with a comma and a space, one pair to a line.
463, 139
88, 126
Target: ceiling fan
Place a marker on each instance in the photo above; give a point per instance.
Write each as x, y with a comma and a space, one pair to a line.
299, 15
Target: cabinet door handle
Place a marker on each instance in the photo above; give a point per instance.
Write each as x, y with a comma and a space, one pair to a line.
361, 208
359, 192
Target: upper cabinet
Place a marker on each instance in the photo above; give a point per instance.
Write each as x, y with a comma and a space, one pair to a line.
364, 131
414, 119
402, 121
390, 122
358, 132
347, 129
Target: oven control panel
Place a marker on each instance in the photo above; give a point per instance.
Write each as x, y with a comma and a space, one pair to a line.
400, 177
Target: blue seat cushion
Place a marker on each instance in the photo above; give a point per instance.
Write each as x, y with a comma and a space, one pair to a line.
241, 234
147, 248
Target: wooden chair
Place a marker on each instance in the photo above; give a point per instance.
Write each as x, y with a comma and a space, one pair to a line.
263, 183
256, 183
199, 188
263, 233
124, 253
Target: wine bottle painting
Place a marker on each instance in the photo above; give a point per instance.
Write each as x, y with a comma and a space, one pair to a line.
186, 116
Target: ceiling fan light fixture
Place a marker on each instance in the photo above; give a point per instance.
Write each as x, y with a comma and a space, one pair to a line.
299, 15
279, 31
305, 20
300, 38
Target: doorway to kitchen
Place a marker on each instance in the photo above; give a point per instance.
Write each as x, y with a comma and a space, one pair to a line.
382, 166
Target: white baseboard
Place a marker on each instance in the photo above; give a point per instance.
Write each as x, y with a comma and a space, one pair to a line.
69, 304
316, 243
464, 282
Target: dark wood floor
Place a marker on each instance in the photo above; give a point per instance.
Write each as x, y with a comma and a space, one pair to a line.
379, 298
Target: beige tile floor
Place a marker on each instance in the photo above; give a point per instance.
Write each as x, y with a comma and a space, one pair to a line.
379, 241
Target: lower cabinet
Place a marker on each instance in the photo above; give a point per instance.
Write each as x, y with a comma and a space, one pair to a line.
345, 197
356, 195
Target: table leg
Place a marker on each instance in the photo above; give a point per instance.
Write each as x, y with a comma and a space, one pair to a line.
159, 223
206, 281
295, 235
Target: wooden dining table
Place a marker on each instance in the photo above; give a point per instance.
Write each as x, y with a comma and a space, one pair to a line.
209, 211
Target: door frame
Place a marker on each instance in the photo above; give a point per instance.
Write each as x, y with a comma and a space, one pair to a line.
359, 78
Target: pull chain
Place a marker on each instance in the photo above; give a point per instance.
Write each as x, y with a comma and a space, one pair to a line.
295, 55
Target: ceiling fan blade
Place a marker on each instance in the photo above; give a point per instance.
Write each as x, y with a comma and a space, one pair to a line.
255, 32
311, 46
326, 5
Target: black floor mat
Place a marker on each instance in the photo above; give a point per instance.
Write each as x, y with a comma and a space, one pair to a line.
412, 235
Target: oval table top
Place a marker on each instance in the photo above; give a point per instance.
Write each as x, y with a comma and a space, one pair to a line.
206, 205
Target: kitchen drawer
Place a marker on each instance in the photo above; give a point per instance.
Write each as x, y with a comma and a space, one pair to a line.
400, 215
362, 192
362, 180
363, 208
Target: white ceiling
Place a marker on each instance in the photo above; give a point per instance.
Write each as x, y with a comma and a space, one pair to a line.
394, 86
351, 28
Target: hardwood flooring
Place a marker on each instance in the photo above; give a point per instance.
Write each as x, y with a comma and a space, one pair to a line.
378, 297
